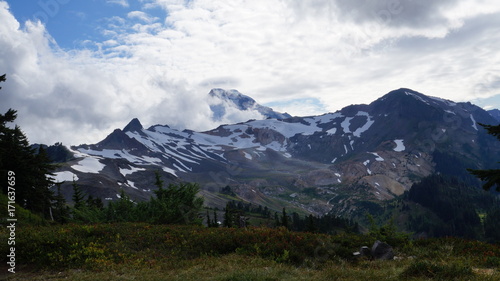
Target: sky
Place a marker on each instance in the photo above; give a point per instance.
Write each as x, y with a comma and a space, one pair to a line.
78, 69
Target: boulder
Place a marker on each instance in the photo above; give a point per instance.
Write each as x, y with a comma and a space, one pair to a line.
382, 251
365, 251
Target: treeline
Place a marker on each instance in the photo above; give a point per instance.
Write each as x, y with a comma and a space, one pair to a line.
237, 214
461, 210
176, 204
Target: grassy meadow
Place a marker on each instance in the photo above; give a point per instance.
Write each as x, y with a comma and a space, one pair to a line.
139, 251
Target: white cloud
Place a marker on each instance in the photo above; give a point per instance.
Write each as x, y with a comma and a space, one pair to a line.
142, 16
160, 70
123, 3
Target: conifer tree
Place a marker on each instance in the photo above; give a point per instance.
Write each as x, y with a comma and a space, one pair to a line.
32, 169
228, 216
311, 227
177, 204
216, 222
78, 196
124, 207
61, 210
209, 223
491, 176
284, 219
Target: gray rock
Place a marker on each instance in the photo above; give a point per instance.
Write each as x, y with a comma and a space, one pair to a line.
382, 251
365, 251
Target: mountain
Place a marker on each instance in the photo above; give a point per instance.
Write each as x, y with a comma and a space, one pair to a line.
495, 113
340, 162
224, 101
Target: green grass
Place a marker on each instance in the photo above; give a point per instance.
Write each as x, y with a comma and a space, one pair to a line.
138, 251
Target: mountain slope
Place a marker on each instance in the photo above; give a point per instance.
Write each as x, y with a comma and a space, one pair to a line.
362, 153
495, 113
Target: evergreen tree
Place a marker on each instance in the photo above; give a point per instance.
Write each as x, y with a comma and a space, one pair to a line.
41, 198
177, 204
284, 219
209, 223
228, 216
94, 203
61, 210
311, 227
78, 196
216, 221
32, 169
124, 208
491, 176
158, 180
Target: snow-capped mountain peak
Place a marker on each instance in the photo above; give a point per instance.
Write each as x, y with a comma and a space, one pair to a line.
223, 101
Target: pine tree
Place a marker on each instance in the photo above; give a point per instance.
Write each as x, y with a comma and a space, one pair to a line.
124, 208
61, 210
78, 196
216, 221
209, 223
491, 176
311, 227
228, 216
40, 200
177, 204
158, 180
32, 169
284, 219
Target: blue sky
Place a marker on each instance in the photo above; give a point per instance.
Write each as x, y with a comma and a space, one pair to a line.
76, 23
90, 66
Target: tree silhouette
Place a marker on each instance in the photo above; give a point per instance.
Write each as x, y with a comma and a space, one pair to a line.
491, 176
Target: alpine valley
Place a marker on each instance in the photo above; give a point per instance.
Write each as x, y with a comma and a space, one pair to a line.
346, 162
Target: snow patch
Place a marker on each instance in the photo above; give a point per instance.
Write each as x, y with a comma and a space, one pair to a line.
378, 158
366, 126
89, 165
247, 156
399, 146
345, 124
132, 184
332, 131
417, 97
64, 176
168, 170
474, 124
132, 170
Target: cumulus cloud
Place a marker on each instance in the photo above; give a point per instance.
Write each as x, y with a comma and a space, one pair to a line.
301, 57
